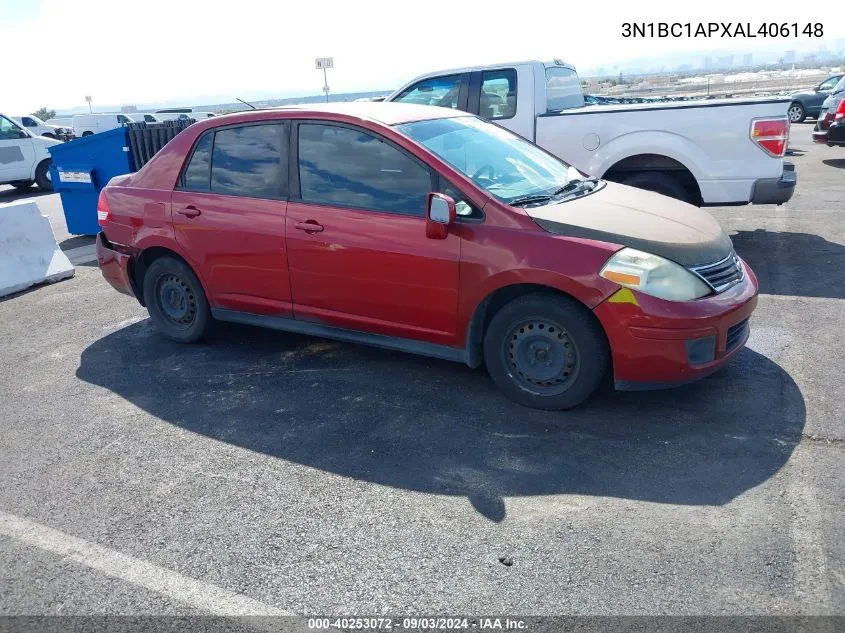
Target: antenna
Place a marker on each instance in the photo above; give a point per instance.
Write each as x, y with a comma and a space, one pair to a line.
249, 104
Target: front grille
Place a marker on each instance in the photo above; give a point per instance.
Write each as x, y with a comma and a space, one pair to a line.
736, 334
721, 275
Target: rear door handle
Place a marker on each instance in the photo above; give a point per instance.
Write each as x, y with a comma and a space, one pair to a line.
309, 227
190, 211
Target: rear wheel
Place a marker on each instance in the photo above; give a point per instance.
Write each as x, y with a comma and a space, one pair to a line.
796, 113
176, 301
546, 351
42, 176
659, 182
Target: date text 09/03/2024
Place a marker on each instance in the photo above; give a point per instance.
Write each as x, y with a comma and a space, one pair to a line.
722, 29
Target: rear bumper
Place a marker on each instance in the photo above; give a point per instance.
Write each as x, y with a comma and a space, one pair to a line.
658, 344
836, 133
115, 266
775, 190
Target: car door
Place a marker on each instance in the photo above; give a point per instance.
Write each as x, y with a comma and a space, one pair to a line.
493, 96
17, 153
228, 213
356, 237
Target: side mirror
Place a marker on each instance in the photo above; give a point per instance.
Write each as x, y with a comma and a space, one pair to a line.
23, 134
440, 213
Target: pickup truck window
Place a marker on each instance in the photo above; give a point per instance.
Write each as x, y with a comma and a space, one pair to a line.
563, 89
346, 167
436, 91
28, 122
498, 94
502, 163
8, 130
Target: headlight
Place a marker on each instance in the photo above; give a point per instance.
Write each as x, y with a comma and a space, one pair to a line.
654, 275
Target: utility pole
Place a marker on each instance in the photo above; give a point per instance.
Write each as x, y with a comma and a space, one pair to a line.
88, 100
324, 63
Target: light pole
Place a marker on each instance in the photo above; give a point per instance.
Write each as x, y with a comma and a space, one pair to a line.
88, 100
324, 63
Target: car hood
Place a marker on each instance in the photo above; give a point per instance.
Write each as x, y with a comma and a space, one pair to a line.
640, 219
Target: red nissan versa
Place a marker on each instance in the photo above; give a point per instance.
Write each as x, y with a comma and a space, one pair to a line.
431, 231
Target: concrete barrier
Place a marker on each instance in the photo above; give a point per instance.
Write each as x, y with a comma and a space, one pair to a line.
29, 254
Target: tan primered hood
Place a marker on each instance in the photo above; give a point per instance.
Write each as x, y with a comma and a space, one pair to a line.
640, 219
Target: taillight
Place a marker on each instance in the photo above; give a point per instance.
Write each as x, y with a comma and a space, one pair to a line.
771, 135
103, 211
840, 111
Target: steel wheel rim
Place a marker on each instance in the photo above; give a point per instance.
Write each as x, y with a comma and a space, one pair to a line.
541, 356
795, 113
176, 301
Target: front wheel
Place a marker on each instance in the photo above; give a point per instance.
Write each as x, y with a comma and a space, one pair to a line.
796, 113
546, 351
42, 176
176, 301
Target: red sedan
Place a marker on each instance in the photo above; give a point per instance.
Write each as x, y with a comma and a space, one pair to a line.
430, 231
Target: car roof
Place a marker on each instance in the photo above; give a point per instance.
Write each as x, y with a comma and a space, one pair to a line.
379, 111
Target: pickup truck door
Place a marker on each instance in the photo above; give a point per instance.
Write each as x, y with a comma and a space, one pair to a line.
17, 153
495, 95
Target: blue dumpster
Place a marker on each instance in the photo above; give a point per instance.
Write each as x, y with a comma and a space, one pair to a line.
81, 168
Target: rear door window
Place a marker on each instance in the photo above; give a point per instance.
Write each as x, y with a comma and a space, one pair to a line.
248, 161
498, 94
346, 167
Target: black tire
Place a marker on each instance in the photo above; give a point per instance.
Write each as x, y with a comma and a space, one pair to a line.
49, 135
659, 182
42, 176
567, 343
796, 112
176, 301
87, 133
22, 185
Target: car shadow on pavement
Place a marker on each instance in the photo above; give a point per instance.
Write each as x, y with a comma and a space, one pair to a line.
438, 427
839, 163
9, 194
793, 264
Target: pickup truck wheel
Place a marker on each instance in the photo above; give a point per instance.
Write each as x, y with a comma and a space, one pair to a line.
546, 351
42, 176
176, 301
659, 182
22, 184
796, 113
87, 133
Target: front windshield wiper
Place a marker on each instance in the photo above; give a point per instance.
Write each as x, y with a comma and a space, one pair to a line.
569, 187
530, 199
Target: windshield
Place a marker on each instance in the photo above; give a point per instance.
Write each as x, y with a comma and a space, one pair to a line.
502, 163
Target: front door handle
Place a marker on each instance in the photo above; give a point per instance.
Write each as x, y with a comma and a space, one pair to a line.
190, 211
309, 227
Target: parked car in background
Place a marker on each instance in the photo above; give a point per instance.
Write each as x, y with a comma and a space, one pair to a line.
170, 114
88, 124
831, 113
808, 103
37, 127
143, 117
24, 158
430, 231
720, 152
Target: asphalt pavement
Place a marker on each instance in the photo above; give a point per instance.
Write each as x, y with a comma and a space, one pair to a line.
267, 473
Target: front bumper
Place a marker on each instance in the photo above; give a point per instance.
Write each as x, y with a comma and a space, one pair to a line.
115, 266
658, 344
775, 190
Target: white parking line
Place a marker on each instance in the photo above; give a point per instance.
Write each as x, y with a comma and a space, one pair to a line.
192, 592
82, 254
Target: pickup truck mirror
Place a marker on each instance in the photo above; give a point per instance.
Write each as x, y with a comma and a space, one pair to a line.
23, 134
440, 213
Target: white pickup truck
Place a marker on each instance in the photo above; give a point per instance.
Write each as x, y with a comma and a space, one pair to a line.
24, 158
708, 152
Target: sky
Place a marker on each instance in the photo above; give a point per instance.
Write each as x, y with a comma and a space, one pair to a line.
208, 51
